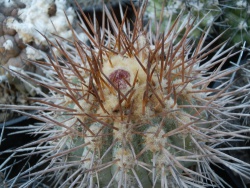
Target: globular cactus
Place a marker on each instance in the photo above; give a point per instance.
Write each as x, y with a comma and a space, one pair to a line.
231, 16
205, 12
235, 20
12, 53
21, 38
134, 110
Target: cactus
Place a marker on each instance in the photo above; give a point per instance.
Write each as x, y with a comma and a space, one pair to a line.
236, 19
221, 15
205, 12
12, 53
134, 110
21, 38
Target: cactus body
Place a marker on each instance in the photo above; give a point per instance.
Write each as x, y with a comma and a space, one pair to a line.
134, 110
22, 37
232, 16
